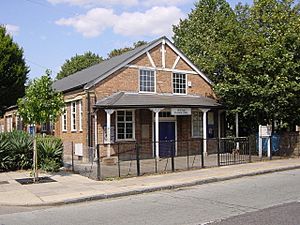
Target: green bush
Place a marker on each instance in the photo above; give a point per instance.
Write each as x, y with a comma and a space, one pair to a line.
50, 150
15, 151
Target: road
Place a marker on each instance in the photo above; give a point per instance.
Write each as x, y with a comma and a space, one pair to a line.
249, 200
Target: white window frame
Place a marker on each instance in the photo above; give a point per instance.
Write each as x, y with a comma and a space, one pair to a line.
199, 113
44, 127
9, 123
173, 88
73, 116
133, 126
64, 121
80, 114
154, 73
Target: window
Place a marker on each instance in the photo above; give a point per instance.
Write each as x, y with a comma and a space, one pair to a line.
64, 120
44, 127
73, 116
9, 123
147, 81
80, 115
197, 124
179, 83
125, 125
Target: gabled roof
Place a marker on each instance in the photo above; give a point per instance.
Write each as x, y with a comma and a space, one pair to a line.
141, 100
90, 76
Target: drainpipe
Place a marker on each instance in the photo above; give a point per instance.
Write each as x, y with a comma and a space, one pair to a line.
88, 120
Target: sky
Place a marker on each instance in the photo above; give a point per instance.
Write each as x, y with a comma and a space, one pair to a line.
52, 31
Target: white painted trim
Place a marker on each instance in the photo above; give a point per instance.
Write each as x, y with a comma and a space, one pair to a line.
62, 120
176, 62
186, 87
192, 129
73, 113
73, 99
170, 44
139, 80
178, 52
163, 53
80, 114
151, 60
133, 125
162, 69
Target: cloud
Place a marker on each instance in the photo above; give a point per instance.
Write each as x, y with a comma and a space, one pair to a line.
93, 3
149, 3
12, 29
156, 21
91, 24
153, 22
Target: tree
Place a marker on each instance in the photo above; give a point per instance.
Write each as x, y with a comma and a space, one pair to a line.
252, 54
268, 81
77, 63
209, 37
119, 51
41, 104
13, 71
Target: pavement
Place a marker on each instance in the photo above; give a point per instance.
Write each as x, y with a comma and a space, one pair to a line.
73, 188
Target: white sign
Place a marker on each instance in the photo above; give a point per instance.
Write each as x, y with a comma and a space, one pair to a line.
265, 131
181, 111
78, 149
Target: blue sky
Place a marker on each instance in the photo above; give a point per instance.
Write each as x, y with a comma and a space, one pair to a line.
51, 31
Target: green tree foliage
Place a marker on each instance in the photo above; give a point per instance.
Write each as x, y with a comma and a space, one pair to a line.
268, 81
13, 71
208, 37
77, 63
119, 51
41, 103
259, 58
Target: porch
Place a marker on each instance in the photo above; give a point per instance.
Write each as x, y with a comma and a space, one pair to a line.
158, 119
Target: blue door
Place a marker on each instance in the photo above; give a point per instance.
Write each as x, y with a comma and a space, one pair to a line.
166, 139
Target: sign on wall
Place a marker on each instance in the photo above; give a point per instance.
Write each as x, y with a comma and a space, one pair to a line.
181, 111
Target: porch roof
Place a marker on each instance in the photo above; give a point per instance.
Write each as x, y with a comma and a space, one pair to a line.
122, 100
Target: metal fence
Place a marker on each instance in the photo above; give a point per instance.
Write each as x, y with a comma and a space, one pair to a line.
136, 159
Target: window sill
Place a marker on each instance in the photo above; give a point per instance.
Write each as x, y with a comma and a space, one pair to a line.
73, 131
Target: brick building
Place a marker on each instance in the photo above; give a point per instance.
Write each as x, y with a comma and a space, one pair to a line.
149, 94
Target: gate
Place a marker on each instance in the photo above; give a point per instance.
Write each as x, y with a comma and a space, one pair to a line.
233, 151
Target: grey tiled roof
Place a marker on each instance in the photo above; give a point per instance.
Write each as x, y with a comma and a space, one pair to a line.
83, 77
141, 100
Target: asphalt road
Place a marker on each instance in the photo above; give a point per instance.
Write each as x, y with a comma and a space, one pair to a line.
250, 200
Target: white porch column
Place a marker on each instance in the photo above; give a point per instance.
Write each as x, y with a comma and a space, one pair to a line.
156, 111
204, 120
237, 129
96, 129
108, 126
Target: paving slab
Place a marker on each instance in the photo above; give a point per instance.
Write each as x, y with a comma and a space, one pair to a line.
71, 188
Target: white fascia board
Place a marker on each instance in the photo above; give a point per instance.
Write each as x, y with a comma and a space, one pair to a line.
95, 81
182, 56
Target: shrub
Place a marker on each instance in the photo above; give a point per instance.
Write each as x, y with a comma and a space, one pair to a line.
50, 150
15, 151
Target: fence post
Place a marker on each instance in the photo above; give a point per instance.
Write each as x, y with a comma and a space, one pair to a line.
202, 156
98, 163
218, 151
172, 155
138, 171
72, 155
